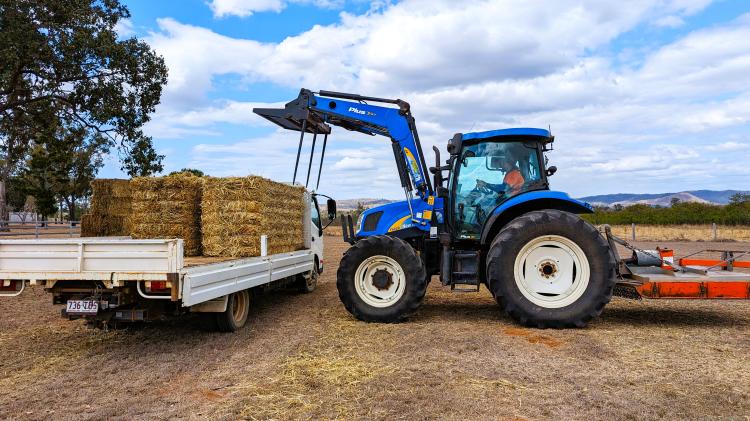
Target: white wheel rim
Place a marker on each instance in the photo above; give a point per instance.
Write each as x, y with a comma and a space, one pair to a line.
552, 271
370, 285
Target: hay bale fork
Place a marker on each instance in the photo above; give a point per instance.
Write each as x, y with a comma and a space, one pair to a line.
118, 279
492, 220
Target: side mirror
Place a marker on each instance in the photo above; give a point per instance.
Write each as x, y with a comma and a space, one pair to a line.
454, 144
331, 205
551, 170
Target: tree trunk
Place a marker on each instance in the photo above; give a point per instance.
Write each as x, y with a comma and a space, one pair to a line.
72, 209
3, 207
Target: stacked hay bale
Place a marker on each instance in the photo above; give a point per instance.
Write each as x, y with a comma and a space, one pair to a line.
109, 213
168, 207
236, 211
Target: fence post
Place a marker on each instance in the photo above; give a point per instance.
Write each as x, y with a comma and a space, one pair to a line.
632, 227
70, 228
36, 230
713, 229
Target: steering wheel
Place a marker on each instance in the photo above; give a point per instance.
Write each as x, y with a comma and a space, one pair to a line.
483, 189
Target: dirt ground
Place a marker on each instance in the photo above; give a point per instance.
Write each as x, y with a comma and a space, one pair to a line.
304, 357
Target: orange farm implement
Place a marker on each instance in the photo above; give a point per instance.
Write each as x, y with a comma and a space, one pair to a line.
707, 274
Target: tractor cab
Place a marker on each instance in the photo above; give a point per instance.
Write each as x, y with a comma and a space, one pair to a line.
488, 169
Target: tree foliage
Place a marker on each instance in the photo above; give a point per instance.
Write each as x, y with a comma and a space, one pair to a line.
63, 162
739, 198
193, 171
735, 213
63, 60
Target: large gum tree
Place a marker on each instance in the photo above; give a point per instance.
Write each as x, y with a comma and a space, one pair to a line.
63, 59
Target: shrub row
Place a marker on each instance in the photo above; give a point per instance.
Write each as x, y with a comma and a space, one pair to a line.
680, 213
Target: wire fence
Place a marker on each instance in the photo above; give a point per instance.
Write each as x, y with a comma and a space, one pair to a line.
40, 229
703, 232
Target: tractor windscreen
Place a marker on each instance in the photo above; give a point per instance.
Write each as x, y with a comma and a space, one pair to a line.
489, 173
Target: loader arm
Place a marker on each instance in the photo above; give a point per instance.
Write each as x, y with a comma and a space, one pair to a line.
313, 113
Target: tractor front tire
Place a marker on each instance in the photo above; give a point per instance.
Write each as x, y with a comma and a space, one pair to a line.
381, 279
551, 269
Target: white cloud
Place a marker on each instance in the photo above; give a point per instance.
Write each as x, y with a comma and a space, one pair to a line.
194, 55
125, 28
244, 8
730, 146
670, 21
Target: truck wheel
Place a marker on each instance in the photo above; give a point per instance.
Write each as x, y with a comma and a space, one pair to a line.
235, 316
550, 269
381, 279
307, 282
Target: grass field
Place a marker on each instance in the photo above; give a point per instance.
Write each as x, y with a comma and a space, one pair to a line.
459, 357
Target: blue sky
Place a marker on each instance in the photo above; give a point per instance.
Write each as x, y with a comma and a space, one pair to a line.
643, 96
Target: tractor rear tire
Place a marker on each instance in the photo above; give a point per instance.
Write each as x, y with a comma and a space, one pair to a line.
381, 279
551, 269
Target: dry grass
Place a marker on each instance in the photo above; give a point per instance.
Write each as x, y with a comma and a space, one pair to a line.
238, 210
109, 214
306, 381
683, 232
459, 357
168, 207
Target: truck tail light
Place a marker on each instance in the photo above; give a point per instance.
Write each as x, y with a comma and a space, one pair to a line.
158, 286
8, 285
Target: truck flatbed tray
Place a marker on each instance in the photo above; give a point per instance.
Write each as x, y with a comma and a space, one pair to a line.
191, 261
117, 260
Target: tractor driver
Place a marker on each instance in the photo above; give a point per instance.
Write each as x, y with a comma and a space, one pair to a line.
512, 182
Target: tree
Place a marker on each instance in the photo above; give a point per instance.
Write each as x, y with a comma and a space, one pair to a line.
17, 194
143, 160
738, 198
62, 60
197, 173
39, 179
65, 160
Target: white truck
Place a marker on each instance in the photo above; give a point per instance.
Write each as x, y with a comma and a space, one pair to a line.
120, 279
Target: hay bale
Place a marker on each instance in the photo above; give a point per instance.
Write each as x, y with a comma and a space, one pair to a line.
236, 211
168, 207
109, 211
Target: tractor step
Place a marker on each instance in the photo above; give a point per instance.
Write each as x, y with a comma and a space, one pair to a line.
465, 273
465, 287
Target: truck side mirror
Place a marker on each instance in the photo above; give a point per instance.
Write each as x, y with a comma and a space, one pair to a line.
331, 205
551, 170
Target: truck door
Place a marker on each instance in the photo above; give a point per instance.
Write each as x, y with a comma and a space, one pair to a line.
316, 233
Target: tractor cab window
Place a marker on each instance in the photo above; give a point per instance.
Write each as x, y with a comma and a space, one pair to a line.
487, 174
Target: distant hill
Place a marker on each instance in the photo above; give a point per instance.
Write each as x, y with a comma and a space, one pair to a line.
663, 199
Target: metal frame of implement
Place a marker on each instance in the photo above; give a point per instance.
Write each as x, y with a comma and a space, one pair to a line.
689, 278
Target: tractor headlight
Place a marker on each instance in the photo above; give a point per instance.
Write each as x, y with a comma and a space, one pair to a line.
359, 221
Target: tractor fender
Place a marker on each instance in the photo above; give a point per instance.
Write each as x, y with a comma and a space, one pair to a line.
527, 202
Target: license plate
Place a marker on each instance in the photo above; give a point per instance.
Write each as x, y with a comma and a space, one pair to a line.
82, 307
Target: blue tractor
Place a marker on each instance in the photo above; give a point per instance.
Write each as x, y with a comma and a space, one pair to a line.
487, 217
